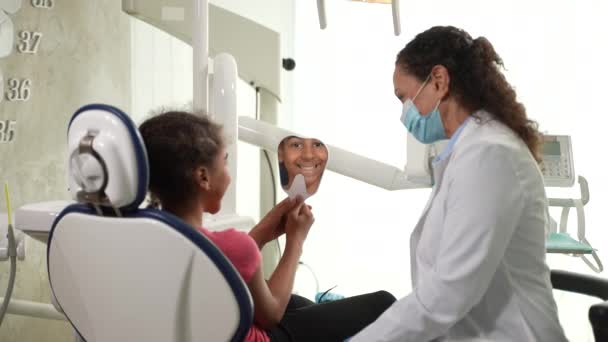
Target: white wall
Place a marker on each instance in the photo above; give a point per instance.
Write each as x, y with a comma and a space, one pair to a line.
554, 53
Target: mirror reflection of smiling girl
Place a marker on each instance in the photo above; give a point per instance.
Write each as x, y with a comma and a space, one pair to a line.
304, 156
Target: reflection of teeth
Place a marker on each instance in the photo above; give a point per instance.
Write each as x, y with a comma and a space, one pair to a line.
310, 167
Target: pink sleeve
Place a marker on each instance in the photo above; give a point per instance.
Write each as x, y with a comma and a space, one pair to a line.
239, 248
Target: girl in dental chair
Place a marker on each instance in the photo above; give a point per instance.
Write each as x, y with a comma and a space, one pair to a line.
188, 175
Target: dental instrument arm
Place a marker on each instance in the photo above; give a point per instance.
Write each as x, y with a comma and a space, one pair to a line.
322, 15
12, 252
396, 17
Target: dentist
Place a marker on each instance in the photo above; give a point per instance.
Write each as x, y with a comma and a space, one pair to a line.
478, 250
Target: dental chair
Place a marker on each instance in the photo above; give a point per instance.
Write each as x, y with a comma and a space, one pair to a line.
121, 273
591, 286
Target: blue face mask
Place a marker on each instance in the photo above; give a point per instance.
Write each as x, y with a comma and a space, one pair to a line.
428, 128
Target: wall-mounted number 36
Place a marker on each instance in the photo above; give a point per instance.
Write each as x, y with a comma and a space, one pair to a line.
18, 90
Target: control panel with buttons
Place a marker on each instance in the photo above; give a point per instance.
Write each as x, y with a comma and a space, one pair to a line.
557, 165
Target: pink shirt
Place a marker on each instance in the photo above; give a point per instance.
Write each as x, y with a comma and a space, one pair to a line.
243, 253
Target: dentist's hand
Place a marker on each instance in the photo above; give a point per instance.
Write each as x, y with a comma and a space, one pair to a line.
273, 224
299, 221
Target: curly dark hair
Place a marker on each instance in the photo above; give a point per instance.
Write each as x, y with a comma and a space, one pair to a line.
177, 143
476, 80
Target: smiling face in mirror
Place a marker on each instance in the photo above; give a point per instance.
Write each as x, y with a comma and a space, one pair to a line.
301, 165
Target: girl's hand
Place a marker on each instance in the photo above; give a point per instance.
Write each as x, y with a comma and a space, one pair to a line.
273, 224
299, 221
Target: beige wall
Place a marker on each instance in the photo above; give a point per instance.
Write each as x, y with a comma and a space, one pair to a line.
83, 57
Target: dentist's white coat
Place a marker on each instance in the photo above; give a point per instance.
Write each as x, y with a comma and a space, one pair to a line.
478, 251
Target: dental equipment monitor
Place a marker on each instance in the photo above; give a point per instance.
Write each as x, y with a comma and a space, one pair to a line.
557, 165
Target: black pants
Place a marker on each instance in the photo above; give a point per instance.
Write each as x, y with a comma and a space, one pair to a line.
305, 321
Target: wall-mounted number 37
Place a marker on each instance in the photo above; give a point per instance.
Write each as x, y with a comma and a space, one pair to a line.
29, 41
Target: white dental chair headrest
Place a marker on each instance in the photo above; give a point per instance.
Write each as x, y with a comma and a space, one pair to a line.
108, 165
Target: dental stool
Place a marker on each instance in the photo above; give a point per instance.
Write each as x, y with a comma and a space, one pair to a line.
120, 273
591, 286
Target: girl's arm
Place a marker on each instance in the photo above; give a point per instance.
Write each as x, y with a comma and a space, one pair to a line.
271, 298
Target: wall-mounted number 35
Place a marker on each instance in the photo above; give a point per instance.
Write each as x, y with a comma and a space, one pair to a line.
7, 130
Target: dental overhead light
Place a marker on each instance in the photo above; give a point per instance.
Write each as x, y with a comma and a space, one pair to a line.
394, 7
375, 1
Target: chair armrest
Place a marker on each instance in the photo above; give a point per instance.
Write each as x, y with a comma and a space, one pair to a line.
580, 283
598, 316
